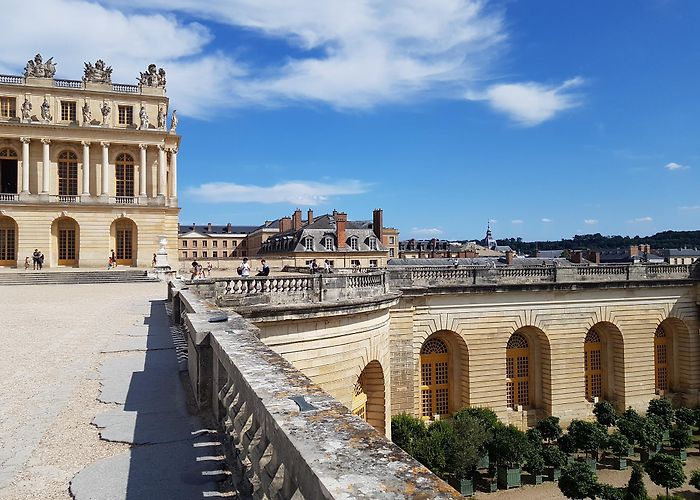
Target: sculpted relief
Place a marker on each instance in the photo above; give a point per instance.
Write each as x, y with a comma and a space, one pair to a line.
99, 73
37, 68
152, 77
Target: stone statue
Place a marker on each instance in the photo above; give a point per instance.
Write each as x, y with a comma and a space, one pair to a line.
87, 114
37, 68
45, 111
99, 73
26, 110
152, 77
144, 118
161, 117
173, 122
106, 110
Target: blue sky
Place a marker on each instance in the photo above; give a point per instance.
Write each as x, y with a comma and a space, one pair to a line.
549, 118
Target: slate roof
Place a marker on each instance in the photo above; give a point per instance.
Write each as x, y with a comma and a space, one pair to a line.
216, 230
678, 252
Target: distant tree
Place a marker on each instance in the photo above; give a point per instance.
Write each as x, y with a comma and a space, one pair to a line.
679, 437
471, 438
635, 487
534, 436
588, 436
605, 413
649, 433
549, 428
618, 444
509, 446
578, 481
662, 409
567, 443
554, 457
534, 461
486, 415
665, 470
686, 416
629, 424
695, 479
407, 431
609, 492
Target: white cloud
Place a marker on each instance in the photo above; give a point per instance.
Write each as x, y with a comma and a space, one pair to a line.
690, 207
675, 166
530, 103
493, 221
546, 220
427, 231
641, 219
292, 192
590, 222
516, 221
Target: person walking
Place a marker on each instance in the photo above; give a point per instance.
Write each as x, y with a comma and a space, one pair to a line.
35, 258
26, 263
327, 266
114, 258
153, 262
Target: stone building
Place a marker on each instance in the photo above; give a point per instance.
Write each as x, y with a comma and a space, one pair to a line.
213, 242
86, 166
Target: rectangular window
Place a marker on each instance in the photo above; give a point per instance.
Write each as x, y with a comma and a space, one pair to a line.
353, 243
355, 263
391, 240
391, 252
184, 243
372, 263
204, 254
234, 244
204, 244
214, 244
225, 243
194, 244
126, 115
372, 244
8, 107
194, 255
329, 243
225, 253
215, 254
68, 111
184, 254
309, 243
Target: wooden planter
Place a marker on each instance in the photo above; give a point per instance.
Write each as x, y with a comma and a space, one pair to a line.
483, 462
488, 484
591, 462
536, 478
666, 435
630, 451
647, 454
509, 478
620, 463
464, 486
553, 473
681, 454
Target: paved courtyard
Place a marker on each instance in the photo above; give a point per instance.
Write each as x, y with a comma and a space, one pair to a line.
80, 360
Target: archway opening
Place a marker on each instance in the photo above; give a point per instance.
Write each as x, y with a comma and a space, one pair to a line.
604, 364
674, 367
434, 378
65, 233
593, 365
528, 372
8, 242
124, 234
368, 400
518, 372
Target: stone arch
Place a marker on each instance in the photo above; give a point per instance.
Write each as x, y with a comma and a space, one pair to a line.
673, 356
532, 341
123, 238
456, 355
369, 397
612, 360
9, 233
65, 242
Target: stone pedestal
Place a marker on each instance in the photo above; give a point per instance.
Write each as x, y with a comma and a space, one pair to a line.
161, 267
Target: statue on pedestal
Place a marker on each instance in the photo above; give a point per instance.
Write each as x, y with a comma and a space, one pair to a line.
152, 77
37, 68
106, 110
173, 122
87, 114
99, 73
144, 118
26, 110
45, 111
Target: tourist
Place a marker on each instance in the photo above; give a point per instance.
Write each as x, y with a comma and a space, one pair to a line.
153, 262
265, 269
41, 260
193, 271
209, 268
244, 268
314, 267
26, 263
327, 266
114, 258
35, 257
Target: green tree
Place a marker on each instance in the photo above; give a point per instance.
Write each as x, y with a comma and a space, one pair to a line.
635, 487
534, 461
509, 446
679, 437
406, 431
578, 481
486, 415
471, 438
618, 444
629, 424
437, 449
695, 479
554, 457
605, 413
649, 433
549, 428
567, 443
686, 416
588, 436
665, 470
534, 436
663, 409
609, 492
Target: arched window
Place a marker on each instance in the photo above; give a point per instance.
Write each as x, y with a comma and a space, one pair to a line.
434, 369
67, 173
8, 242
593, 365
517, 372
8, 154
124, 172
328, 243
661, 360
353, 243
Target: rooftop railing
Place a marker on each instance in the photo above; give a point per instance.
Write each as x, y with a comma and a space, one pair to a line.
122, 88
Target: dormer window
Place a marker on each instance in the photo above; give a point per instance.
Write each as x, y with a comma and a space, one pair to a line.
353, 243
372, 243
308, 243
328, 243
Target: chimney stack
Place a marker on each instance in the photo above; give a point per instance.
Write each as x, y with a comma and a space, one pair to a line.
510, 255
341, 219
209, 228
576, 256
285, 224
296, 222
378, 223
228, 227
310, 217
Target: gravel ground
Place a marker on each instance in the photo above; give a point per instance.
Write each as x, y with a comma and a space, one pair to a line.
52, 337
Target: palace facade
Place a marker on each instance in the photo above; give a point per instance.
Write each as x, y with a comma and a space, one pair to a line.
86, 167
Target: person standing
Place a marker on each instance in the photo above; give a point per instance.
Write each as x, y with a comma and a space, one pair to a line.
26, 263
244, 268
114, 258
327, 266
41, 260
35, 258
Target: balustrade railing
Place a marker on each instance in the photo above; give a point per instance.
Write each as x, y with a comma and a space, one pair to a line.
125, 88
365, 280
257, 285
126, 200
9, 197
526, 272
668, 269
62, 198
68, 84
601, 270
11, 79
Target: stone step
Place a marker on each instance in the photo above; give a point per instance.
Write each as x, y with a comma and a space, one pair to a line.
74, 277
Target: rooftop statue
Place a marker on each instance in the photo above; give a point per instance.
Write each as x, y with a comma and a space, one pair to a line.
99, 73
152, 77
46, 111
173, 122
37, 68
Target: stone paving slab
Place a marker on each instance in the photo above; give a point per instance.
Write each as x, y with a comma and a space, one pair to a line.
139, 343
144, 428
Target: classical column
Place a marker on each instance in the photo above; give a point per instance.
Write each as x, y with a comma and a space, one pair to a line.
173, 172
45, 170
161, 171
105, 168
25, 164
142, 170
86, 167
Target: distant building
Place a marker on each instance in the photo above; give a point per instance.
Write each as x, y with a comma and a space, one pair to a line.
633, 254
679, 255
213, 242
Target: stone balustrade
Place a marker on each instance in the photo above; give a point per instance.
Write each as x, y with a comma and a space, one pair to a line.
284, 436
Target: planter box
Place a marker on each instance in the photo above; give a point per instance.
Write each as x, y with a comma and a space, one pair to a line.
666, 435
464, 486
553, 473
483, 462
620, 463
509, 478
681, 454
536, 478
591, 462
489, 485
630, 451
647, 454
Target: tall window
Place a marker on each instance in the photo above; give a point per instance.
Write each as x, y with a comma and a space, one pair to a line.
126, 115
517, 371
434, 381
308, 243
8, 107
125, 235
8, 240
67, 173
67, 254
660, 360
372, 243
68, 111
184, 243
328, 243
124, 171
593, 365
353, 243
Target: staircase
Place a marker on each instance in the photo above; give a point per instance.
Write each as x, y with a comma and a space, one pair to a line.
73, 277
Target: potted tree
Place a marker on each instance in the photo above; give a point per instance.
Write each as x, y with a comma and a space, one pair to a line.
680, 440
508, 450
629, 424
589, 437
686, 416
555, 460
578, 481
605, 413
619, 445
649, 436
471, 436
662, 410
406, 431
636, 490
534, 464
549, 428
666, 471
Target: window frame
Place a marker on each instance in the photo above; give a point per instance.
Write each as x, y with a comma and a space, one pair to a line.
69, 111
8, 107
125, 115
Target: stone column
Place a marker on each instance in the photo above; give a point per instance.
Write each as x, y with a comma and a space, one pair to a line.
161, 171
173, 173
105, 168
142, 170
86, 167
25, 164
45, 170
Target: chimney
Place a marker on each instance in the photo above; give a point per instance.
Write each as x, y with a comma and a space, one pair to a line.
296, 222
228, 227
510, 255
593, 257
209, 228
341, 218
285, 224
378, 223
634, 251
576, 256
310, 217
